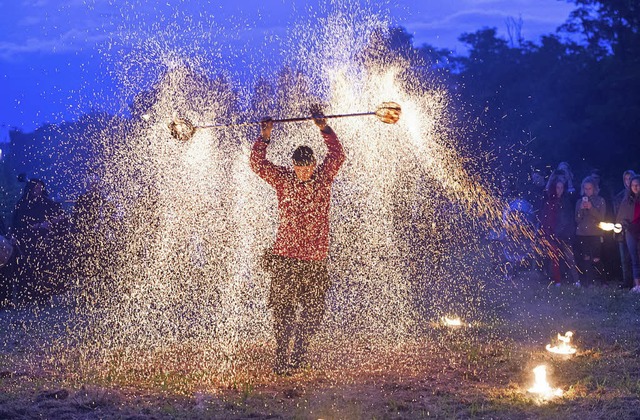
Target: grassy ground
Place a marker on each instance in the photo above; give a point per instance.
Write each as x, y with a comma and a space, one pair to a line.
481, 371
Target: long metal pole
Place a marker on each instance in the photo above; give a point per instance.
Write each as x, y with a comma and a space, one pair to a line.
281, 120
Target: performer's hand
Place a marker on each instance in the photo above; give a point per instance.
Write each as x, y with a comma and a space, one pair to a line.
266, 125
318, 116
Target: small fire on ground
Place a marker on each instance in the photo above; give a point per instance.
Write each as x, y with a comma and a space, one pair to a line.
541, 387
564, 345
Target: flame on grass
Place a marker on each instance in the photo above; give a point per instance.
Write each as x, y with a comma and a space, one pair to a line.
564, 346
541, 387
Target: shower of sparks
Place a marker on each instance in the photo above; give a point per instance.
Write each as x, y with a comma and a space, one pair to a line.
541, 387
564, 346
171, 283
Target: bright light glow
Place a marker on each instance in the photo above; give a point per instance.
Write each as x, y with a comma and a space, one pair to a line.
608, 227
541, 387
452, 322
564, 345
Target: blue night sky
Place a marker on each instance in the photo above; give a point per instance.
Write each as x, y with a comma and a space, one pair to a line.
53, 53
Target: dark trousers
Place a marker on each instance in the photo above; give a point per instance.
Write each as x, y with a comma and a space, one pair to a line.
633, 245
296, 285
590, 259
625, 264
562, 251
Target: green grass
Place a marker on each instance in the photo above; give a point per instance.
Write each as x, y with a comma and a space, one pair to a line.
479, 372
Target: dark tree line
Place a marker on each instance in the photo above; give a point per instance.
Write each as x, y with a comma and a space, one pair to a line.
573, 96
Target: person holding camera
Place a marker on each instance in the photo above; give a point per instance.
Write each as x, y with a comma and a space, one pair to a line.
297, 263
590, 212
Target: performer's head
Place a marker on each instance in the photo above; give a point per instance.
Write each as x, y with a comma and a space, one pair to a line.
304, 163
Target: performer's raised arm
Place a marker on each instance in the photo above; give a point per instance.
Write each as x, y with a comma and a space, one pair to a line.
259, 163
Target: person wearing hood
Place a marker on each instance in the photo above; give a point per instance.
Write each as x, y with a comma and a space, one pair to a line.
629, 217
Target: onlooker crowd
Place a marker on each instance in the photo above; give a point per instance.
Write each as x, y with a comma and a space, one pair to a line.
572, 232
44, 247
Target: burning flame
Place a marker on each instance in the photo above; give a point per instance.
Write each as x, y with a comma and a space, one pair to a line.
452, 322
615, 227
541, 386
565, 346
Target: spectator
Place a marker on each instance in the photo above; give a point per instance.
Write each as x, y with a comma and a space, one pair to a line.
625, 260
39, 226
590, 212
8, 255
605, 193
558, 228
629, 217
563, 170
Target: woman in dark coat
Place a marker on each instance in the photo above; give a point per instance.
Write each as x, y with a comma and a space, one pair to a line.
629, 217
557, 221
590, 212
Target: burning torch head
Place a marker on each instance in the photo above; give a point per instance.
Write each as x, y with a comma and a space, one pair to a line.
389, 112
182, 129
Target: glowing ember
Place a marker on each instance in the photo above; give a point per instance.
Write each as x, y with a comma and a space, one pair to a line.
541, 387
452, 322
564, 346
608, 227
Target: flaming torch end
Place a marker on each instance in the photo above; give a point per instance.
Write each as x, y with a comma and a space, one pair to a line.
182, 129
389, 112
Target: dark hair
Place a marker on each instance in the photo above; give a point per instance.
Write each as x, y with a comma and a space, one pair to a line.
553, 181
590, 180
629, 195
303, 156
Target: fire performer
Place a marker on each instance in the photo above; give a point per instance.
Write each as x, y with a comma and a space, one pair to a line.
297, 263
